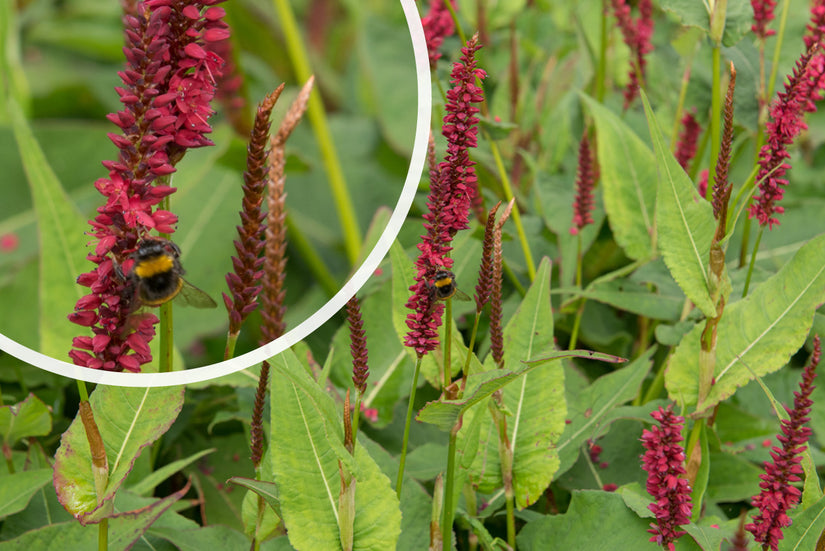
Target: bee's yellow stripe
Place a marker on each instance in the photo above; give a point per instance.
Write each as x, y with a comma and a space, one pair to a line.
443, 282
154, 266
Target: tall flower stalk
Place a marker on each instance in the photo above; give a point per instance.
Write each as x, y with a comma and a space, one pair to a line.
168, 84
452, 185
778, 495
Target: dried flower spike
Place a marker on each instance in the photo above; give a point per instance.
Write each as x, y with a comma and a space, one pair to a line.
778, 495
245, 281
358, 346
664, 462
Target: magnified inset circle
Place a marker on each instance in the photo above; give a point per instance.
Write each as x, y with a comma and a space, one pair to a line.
333, 305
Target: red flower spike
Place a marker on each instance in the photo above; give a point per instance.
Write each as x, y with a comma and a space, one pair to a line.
155, 133
636, 34
786, 122
438, 24
686, 146
664, 462
762, 15
584, 204
778, 496
452, 186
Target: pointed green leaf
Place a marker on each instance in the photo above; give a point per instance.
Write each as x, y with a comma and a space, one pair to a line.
149, 482
267, 490
17, 489
31, 417
129, 419
62, 242
592, 406
628, 175
756, 335
307, 445
684, 223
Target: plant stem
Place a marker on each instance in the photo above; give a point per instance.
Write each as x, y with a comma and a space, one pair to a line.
449, 484
229, 350
601, 68
314, 262
508, 195
103, 535
752, 262
166, 338
715, 111
317, 118
448, 334
466, 371
403, 460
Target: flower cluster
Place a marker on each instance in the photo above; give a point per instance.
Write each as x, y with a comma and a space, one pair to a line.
452, 186
358, 346
762, 15
664, 463
637, 35
438, 24
584, 204
786, 122
244, 281
167, 86
778, 496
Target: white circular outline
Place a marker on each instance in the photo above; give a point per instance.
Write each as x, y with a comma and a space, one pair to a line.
333, 305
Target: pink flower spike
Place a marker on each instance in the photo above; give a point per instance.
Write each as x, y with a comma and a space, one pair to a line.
664, 462
778, 496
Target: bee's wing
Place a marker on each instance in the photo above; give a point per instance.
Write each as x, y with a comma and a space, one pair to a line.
190, 295
461, 295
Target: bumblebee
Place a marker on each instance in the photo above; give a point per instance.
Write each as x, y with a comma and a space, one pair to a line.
444, 286
157, 276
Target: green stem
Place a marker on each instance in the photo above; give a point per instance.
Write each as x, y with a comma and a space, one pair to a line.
317, 118
715, 111
752, 262
403, 460
103, 535
780, 37
166, 337
449, 484
448, 340
466, 371
81, 390
315, 263
655, 387
508, 196
574, 334
601, 68
229, 350
355, 416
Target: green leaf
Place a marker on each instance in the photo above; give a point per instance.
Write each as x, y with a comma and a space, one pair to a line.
129, 419
738, 20
307, 449
207, 537
62, 242
592, 407
267, 490
756, 335
16, 490
635, 297
628, 175
31, 417
684, 223
535, 399
149, 482
596, 521
806, 529
124, 529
